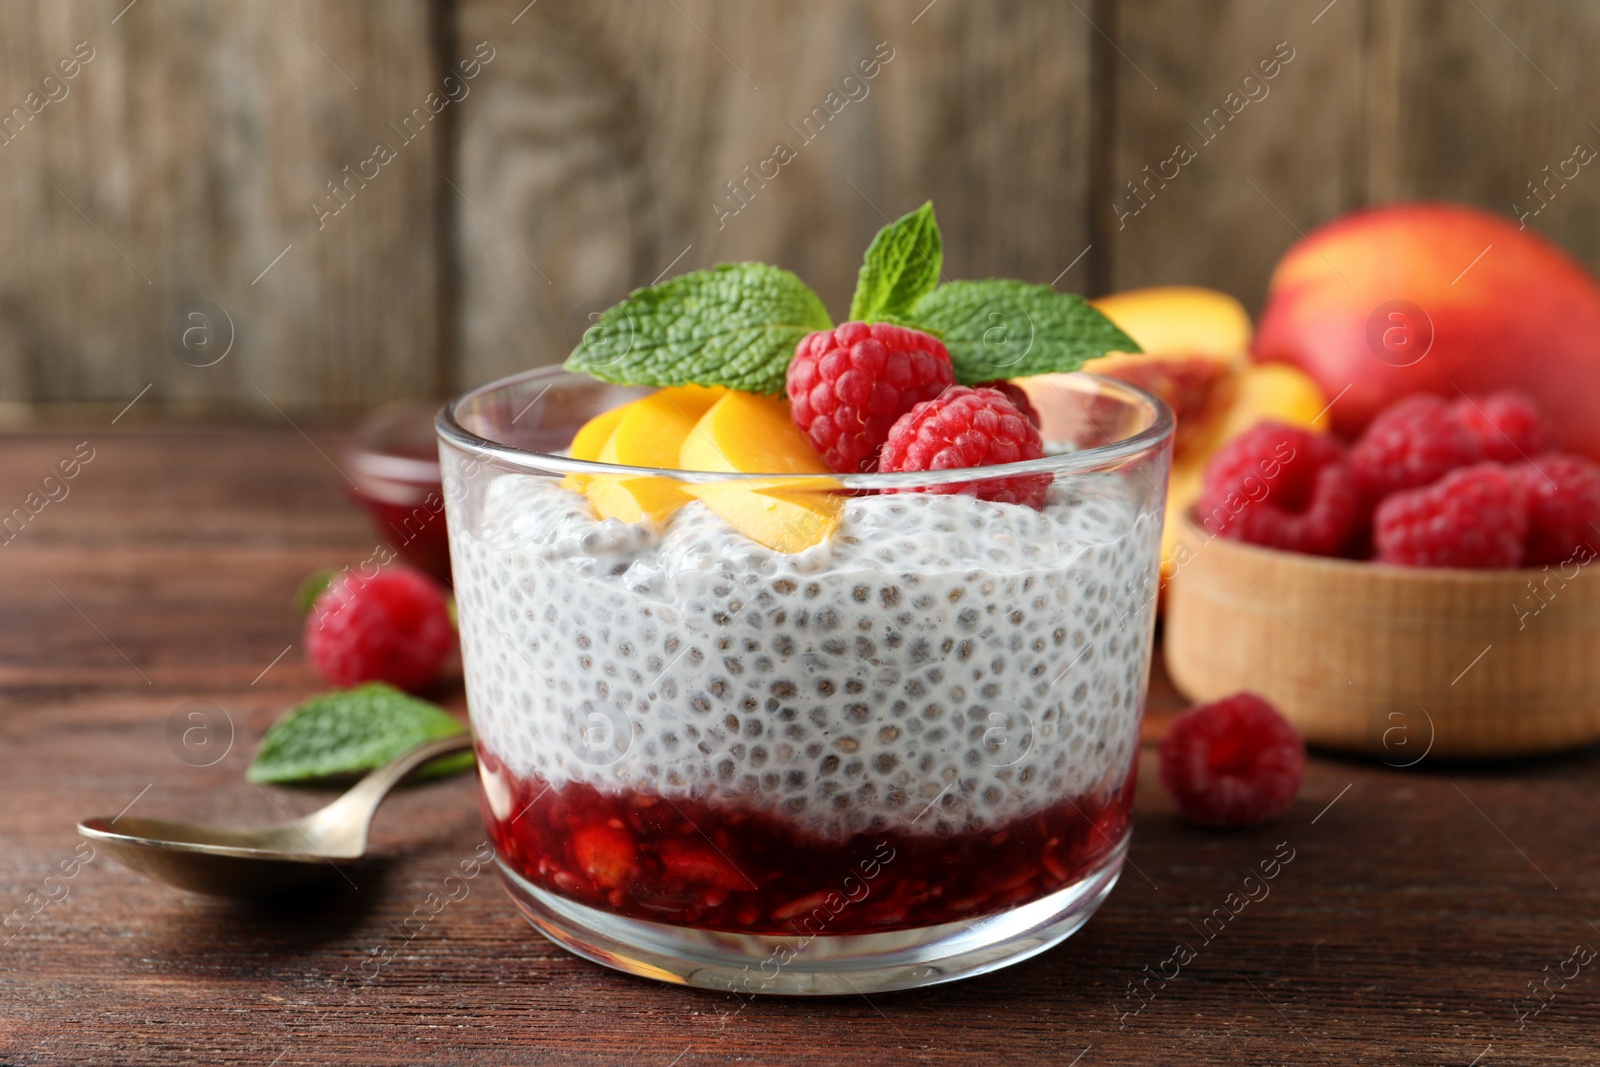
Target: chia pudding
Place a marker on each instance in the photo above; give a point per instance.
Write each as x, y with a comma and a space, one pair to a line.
677, 723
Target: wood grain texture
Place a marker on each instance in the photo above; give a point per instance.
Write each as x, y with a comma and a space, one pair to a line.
1473, 101
591, 154
604, 139
1382, 102
1267, 156
183, 159
1417, 907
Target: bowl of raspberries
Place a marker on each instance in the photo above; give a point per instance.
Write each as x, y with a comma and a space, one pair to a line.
1423, 590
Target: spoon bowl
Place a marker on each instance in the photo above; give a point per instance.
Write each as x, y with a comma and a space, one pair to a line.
259, 861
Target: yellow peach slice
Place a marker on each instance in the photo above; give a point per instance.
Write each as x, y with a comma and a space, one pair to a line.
792, 486
593, 435
589, 440
652, 430
786, 520
1179, 320
691, 401
751, 434
649, 433
643, 499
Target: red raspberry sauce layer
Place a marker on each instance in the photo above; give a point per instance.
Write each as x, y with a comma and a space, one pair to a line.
714, 867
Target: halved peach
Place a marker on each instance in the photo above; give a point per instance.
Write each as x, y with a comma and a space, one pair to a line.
1194, 341
1276, 391
1179, 320
1198, 389
752, 434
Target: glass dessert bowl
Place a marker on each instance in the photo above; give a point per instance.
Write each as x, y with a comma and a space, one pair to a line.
896, 749
393, 465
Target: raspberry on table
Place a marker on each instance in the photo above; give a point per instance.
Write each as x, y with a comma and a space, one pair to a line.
965, 427
848, 385
1473, 517
391, 627
1411, 443
1508, 426
1017, 395
1281, 486
1233, 762
1563, 508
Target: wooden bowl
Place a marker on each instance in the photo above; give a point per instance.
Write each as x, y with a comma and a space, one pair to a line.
1398, 662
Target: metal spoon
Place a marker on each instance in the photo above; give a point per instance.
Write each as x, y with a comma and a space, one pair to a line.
258, 861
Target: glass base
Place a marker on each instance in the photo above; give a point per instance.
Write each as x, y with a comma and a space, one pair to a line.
820, 965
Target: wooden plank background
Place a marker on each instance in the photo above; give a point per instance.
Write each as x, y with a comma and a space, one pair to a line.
592, 150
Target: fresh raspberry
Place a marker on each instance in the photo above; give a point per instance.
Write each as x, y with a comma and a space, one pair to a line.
1017, 395
1508, 426
1563, 508
848, 385
1411, 443
1281, 486
962, 428
391, 627
1473, 517
1233, 762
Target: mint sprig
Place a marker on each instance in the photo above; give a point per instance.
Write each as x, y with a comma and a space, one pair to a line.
736, 324
902, 265
351, 731
1000, 328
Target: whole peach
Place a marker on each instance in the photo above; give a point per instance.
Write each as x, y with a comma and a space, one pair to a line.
1440, 298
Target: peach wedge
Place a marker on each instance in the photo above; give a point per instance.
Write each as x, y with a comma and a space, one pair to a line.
800, 514
589, 440
751, 434
649, 433
744, 432
644, 499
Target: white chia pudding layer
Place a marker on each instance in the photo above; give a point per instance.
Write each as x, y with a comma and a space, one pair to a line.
940, 664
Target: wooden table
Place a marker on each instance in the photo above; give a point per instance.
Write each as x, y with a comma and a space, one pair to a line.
1419, 906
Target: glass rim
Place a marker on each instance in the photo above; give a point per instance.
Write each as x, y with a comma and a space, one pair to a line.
1085, 460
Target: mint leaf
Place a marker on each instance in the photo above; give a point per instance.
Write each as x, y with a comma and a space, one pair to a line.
902, 266
351, 731
1000, 328
736, 324
305, 598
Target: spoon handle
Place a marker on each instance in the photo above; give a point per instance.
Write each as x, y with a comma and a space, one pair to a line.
343, 824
